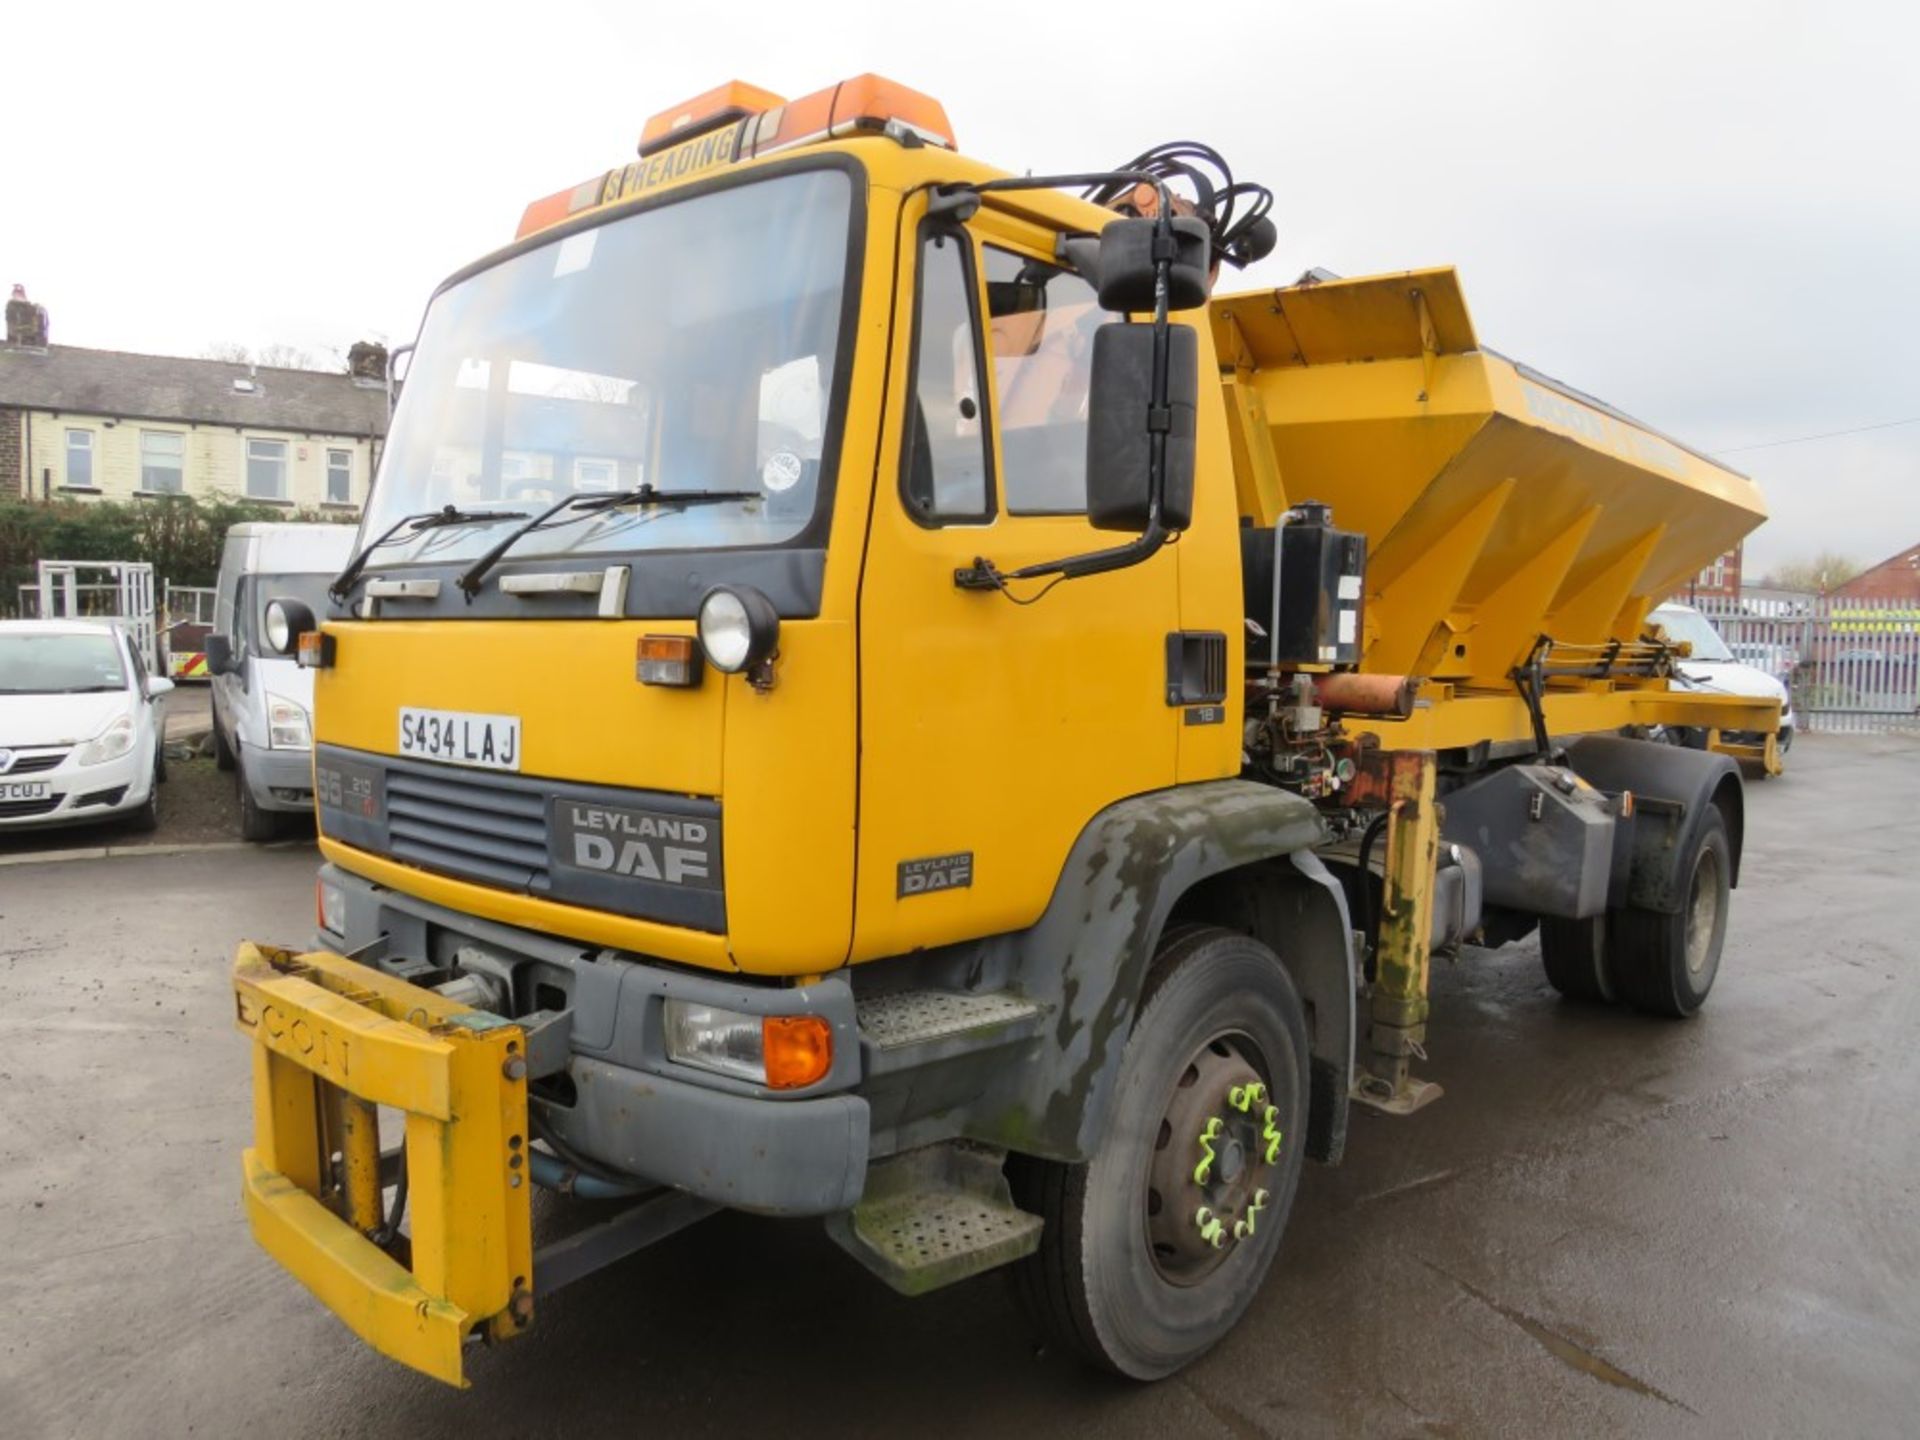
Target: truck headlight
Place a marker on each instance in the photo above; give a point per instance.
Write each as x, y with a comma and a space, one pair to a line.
330, 907
110, 744
287, 727
287, 621
739, 628
782, 1052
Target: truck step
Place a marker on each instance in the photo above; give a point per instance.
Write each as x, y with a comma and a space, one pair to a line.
916, 1017
934, 1216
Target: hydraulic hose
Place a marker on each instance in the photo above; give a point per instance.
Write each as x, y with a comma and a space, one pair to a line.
1369, 922
573, 1174
555, 1174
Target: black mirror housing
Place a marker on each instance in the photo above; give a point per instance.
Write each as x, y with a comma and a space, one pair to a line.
1119, 437
1126, 265
219, 653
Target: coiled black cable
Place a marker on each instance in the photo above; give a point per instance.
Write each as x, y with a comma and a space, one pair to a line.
1236, 211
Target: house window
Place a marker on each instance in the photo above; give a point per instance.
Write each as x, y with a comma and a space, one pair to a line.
593, 474
163, 460
339, 477
79, 459
267, 469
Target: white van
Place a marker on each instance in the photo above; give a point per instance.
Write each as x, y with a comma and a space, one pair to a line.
262, 701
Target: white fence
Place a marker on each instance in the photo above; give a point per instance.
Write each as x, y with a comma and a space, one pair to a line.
1852, 665
98, 590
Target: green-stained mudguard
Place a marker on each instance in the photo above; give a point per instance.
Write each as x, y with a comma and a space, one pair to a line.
1087, 957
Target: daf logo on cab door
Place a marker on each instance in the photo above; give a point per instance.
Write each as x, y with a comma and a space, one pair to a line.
936, 872
638, 844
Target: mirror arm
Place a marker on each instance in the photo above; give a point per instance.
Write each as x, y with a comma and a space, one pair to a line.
983, 574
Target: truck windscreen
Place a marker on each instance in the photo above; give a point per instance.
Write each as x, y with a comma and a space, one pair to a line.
691, 346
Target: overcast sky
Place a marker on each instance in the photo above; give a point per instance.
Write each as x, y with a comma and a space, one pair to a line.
1705, 213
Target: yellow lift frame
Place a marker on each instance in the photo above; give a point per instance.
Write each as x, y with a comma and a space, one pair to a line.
332, 1042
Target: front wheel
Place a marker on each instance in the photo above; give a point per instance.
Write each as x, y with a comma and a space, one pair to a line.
255, 824
1154, 1248
146, 819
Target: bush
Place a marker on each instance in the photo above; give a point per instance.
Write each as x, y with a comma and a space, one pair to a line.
181, 536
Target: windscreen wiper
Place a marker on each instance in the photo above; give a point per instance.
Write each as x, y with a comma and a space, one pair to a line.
425, 520
584, 505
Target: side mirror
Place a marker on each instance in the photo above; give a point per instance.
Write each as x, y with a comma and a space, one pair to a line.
158, 685
219, 655
1119, 432
1126, 265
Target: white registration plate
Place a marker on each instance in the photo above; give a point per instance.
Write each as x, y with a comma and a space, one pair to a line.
458, 737
25, 789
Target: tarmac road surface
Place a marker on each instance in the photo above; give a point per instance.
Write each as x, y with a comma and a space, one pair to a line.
1609, 1226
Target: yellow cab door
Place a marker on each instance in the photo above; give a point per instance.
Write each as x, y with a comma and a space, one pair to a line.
994, 724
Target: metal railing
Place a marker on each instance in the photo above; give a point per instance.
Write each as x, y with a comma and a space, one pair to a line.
1853, 666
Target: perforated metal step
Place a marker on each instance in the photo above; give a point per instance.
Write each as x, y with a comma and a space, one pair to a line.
914, 1017
935, 1216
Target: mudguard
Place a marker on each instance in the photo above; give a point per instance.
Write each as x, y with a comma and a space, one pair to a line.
1681, 785
1088, 955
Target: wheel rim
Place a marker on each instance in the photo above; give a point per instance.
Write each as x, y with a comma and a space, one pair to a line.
1215, 1162
1703, 912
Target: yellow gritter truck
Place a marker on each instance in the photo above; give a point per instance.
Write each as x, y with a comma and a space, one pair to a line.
869, 691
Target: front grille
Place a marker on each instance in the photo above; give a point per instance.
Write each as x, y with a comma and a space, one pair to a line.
34, 764
21, 809
524, 833
469, 826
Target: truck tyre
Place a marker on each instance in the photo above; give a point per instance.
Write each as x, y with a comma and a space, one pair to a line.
1665, 964
1153, 1248
223, 757
255, 823
1575, 955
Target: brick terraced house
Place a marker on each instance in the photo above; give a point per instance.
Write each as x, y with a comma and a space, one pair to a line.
105, 424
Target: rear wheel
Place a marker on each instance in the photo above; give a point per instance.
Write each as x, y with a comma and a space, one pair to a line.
1154, 1248
1575, 955
1665, 964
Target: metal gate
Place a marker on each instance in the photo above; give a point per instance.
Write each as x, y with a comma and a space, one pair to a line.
1853, 665
186, 619
119, 590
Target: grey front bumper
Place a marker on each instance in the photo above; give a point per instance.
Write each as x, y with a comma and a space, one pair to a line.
279, 779
792, 1157
622, 1101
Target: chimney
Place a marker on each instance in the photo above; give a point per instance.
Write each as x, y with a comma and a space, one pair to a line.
367, 363
26, 321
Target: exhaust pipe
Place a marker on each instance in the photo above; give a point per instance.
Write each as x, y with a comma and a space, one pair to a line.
1350, 693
